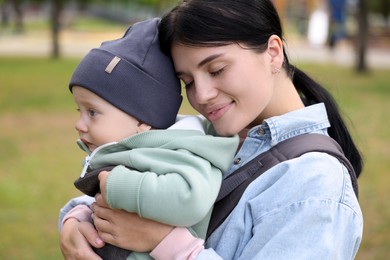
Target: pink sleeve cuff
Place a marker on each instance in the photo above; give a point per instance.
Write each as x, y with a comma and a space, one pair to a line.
81, 212
178, 244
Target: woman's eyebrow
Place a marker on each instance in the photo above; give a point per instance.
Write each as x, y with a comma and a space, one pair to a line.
203, 62
209, 59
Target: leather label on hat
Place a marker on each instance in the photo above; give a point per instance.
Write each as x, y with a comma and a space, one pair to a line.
111, 66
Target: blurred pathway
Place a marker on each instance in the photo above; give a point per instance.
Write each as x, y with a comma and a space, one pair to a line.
77, 44
72, 44
343, 54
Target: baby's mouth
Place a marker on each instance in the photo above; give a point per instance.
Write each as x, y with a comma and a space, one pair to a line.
90, 146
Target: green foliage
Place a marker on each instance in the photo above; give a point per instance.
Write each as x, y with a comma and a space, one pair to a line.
379, 6
39, 158
153, 3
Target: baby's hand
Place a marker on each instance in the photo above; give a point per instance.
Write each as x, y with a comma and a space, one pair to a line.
102, 183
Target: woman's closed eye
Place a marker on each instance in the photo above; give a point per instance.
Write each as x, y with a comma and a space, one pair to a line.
217, 72
187, 84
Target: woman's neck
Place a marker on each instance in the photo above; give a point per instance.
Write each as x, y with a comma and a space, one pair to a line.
285, 99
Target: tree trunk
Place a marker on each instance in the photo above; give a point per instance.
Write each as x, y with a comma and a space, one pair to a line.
56, 27
4, 14
361, 64
19, 27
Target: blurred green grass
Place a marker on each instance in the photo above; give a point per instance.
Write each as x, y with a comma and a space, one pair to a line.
39, 159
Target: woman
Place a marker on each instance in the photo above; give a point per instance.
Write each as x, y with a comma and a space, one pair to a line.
230, 56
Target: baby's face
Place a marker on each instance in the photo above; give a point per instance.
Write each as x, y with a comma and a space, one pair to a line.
100, 122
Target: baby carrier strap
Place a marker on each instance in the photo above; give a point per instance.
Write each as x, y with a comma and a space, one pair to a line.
235, 184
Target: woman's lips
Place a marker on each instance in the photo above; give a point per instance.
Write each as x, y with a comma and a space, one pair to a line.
217, 112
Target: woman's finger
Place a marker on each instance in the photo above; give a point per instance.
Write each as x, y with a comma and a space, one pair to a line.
101, 212
102, 225
101, 201
91, 234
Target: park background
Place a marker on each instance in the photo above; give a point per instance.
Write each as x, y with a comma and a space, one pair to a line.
41, 42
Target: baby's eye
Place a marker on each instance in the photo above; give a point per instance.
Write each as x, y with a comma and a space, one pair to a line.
92, 113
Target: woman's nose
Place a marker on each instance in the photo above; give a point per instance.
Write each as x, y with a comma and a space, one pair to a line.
204, 91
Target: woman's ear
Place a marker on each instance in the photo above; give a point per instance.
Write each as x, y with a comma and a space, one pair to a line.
275, 51
142, 127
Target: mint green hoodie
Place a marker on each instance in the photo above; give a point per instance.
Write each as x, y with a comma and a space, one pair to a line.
172, 176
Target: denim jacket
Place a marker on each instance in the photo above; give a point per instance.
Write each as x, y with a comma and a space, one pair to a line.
304, 208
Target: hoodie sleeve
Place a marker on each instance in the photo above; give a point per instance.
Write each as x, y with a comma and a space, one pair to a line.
188, 185
176, 184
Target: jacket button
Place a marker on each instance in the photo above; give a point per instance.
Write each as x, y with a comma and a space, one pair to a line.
237, 161
260, 131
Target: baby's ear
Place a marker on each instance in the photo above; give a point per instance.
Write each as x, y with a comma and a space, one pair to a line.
142, 127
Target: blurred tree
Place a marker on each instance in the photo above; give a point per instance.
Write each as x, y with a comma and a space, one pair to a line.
4, 14
158, 6
5, 6
16, 4
55, 22
56, 10
362, 21
57, 7
381, 7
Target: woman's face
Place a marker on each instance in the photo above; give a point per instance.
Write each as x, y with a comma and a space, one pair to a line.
230, 85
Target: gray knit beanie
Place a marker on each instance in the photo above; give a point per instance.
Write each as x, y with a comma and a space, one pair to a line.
134, 75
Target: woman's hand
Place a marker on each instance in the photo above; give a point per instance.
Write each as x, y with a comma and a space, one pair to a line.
76, 239
127, 230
